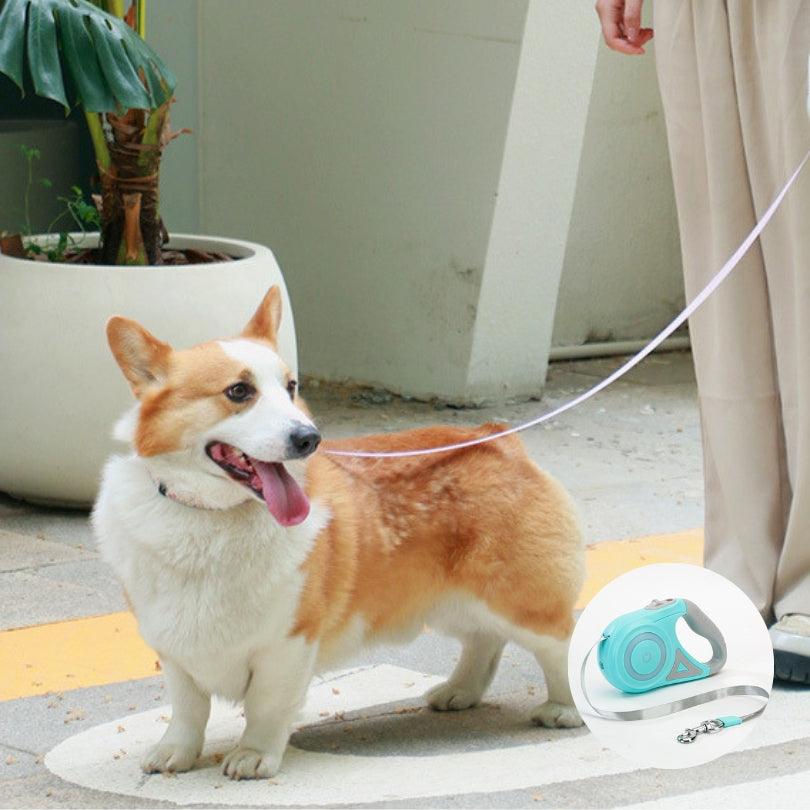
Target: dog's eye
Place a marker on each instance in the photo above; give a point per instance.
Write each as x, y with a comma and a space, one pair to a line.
239, 392
292, 385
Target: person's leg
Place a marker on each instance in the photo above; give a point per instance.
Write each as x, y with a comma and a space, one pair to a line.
745, 472
770, 43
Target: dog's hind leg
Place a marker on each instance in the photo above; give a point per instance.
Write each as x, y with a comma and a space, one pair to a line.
558, 711
471, 677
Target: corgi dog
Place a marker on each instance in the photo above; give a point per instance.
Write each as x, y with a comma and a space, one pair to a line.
253, 559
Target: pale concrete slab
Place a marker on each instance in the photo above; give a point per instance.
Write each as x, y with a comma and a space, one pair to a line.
31, 597
16, 763
43, 789
37, 724
67, 526
93, 574
21, 551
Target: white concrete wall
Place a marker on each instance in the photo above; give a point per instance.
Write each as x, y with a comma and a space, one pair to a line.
172, 30
429, 173
532, 216
622, 273
362, 140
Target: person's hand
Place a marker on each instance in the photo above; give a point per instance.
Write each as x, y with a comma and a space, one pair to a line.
621, 25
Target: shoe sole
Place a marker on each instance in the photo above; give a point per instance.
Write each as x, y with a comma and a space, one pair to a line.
788, 666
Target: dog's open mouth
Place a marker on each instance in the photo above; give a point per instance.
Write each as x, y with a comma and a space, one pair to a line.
270, 481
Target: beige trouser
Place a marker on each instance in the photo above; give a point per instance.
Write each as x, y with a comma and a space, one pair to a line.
733, 78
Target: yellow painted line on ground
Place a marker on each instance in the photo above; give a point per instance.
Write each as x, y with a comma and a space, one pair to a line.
72, 654
107, 649
606, 561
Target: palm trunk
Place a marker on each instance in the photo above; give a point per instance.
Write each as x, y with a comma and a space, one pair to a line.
132, 230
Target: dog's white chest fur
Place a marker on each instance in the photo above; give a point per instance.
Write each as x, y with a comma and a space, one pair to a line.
212, 590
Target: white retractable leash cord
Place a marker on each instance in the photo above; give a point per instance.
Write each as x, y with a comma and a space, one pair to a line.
688, 735
678, 321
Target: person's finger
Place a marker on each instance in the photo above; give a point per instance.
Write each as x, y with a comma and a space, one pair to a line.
615, 40
632, 19
610, 14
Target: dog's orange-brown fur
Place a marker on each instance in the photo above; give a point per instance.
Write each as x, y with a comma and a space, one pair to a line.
485, 521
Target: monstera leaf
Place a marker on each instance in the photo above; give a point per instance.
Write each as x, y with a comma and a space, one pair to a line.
111, 66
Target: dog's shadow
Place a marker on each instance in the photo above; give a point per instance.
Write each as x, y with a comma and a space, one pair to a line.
417, 730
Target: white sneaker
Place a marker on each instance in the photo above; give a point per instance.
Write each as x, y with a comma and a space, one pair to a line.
791, 648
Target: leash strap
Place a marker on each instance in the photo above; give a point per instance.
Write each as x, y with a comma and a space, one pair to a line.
689, 735
678, 321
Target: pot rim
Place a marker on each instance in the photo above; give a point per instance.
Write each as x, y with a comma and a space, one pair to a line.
238, 248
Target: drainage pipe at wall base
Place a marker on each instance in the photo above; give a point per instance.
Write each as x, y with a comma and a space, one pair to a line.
678, 343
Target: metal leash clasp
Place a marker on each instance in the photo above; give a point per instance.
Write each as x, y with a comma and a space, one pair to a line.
706, 727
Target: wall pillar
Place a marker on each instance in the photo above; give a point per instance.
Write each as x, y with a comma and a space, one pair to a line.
527, 243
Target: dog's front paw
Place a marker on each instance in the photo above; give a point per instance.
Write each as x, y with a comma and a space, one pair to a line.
451, 697
248, 763
169, 757
556, 715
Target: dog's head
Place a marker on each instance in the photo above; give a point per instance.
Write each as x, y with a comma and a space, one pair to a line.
222, 416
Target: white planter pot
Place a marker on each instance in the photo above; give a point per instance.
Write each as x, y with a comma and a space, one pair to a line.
60, 389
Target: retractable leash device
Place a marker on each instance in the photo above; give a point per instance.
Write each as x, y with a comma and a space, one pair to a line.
640, 651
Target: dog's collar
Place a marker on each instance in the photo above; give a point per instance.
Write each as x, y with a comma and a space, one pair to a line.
185, 499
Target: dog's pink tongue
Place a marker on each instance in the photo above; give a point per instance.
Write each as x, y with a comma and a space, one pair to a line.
284, 498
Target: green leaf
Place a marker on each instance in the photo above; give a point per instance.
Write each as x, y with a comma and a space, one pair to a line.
118, 70
111, 67
12, 43
30, 153
43, 54
81, 58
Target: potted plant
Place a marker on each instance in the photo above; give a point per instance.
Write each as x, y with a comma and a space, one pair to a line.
61, 393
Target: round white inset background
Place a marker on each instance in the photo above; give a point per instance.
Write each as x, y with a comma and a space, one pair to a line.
653, 743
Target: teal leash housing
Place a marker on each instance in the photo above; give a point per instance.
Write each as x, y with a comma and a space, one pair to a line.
640, 652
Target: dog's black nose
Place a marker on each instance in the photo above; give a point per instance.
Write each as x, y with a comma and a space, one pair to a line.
304, 440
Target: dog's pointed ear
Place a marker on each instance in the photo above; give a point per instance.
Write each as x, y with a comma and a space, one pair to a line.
143, 358
265, 321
